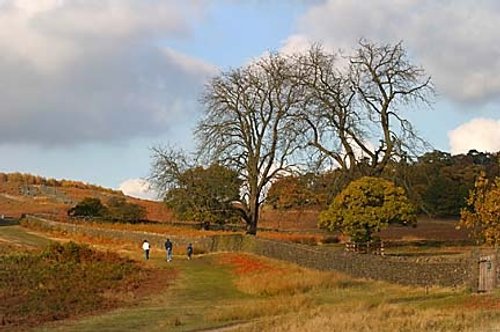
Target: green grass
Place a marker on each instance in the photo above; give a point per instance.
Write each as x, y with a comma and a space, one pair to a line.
183, 307
208, 294
16, 235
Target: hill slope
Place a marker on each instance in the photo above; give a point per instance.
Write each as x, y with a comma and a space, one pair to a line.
30, 194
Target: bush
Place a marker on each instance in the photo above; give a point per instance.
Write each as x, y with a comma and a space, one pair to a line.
88, 207
367, 206
63, 280
117, 209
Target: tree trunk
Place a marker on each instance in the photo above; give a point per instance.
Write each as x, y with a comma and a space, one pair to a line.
251, 228
253, 216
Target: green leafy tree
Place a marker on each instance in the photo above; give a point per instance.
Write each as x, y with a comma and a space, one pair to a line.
206, 195
367, 206
195, 192
88, 207
439, 183
120, 210
482, 214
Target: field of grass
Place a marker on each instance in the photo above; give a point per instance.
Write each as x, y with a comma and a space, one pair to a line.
248, 293
43, 281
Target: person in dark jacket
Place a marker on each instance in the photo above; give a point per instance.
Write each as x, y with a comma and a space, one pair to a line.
189, 250
169, 247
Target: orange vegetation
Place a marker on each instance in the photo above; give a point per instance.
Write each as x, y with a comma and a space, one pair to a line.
29, 194
243, 264
155, 228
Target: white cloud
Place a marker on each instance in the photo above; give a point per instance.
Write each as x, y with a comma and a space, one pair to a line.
455, 41
296, 44
479, 134
93, 71
138, 188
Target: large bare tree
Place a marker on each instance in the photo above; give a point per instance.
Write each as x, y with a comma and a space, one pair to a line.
260, 117
250, 126
355, 104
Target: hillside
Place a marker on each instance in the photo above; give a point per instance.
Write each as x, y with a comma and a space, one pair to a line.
30, 194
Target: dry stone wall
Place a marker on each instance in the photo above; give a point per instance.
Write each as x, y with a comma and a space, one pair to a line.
453, 273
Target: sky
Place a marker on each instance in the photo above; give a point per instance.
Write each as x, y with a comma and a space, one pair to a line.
88, 87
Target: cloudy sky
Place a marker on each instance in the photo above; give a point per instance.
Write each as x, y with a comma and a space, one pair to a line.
88, 86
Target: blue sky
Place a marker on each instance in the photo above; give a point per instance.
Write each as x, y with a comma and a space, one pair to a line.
87, 87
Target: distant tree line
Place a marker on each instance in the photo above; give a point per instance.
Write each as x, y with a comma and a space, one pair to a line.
36, 180
437, 183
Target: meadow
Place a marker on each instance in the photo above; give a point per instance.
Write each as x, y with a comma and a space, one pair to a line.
224, 291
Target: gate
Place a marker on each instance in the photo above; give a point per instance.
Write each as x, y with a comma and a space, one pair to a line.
487, 274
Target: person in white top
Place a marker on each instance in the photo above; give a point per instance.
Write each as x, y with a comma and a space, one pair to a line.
146, 247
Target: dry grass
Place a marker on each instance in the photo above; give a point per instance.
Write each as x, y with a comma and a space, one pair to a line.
291, 298
257, 309
63, 281
257, 276
386, 317
155, 228
302, 238
13, 203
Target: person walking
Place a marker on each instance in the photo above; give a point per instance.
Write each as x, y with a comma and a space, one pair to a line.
146, 247
169, 247
189, 251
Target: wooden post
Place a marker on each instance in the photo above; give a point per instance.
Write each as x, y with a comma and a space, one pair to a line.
487, 274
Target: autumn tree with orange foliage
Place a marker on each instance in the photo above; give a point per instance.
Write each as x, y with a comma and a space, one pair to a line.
482, 214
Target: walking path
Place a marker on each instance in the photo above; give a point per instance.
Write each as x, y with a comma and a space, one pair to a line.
200, 288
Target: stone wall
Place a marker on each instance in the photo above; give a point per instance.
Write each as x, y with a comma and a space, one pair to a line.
409, 272
454, 273
8, 221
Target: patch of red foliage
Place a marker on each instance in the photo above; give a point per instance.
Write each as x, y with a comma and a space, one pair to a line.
482, 302
245, 264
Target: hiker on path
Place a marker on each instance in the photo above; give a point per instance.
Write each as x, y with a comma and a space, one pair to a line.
169, 247
189, 251
146, 247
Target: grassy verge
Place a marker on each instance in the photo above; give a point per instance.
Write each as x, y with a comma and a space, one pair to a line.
248, 293
291, 298
16, 236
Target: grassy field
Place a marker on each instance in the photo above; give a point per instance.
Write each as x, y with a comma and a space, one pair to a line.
240, 292
43, 281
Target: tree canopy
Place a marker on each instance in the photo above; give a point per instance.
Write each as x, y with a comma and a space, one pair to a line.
206, 195
366, 206
194, 192
354, 112
88, 207
116, 209
120, 210
437, 183
250, 126
481, 216
281, 114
